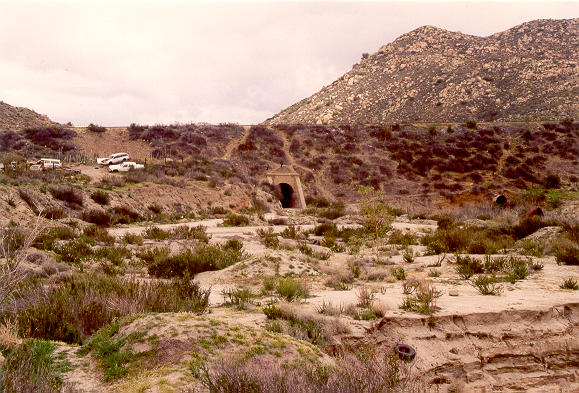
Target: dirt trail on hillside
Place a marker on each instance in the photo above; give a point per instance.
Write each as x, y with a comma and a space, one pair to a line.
234, 143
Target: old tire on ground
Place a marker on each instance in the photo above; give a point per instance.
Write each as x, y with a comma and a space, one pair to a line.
405, 352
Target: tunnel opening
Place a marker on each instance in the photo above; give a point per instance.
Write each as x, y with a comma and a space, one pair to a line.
287, 195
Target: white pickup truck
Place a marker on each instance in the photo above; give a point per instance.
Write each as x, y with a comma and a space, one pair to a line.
125, 166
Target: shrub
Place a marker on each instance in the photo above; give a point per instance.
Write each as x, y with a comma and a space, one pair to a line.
291, 290
156, 233
235, 220
238, 296
270, 239
77, 307
567, 254
365, 371
340, 282
471, 124
155, 208
488, 284
100, 197
552, 181
94, 233
46, 239
67, 194
74, 252
398, 273
202, 258
98, 217
291, 232
423, 301
468, 266
130, 238
570, 283
365, 297
95, 128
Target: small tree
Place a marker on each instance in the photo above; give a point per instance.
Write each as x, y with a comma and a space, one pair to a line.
376, 213
95, 128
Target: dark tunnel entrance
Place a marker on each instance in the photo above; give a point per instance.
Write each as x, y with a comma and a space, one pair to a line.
287, 195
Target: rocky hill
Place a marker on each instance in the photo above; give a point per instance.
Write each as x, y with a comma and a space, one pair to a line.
526, 73
12, 117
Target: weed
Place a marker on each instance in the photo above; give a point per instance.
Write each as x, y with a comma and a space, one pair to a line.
569, 283
398, 273
365, 297
423, 301
238, 297
270, 239
434, 273
488, 284
130, 238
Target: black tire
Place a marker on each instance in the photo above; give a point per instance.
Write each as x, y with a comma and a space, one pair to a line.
405, 352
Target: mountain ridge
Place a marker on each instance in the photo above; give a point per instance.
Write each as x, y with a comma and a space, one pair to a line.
526, 73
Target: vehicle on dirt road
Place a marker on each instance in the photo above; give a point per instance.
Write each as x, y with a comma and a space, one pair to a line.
125, 166
49, 163
116, 158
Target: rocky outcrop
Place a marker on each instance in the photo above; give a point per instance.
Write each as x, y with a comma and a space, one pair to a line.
526, 73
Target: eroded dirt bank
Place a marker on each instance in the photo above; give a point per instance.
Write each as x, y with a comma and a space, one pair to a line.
507, 351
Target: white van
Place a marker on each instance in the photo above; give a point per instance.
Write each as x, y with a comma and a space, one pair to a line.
49, 163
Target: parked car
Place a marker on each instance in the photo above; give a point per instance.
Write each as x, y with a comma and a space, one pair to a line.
116, 158
125, 166
49, 163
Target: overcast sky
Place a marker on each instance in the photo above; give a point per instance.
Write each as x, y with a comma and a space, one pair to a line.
118, 62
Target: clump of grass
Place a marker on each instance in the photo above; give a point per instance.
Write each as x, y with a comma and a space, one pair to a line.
468, 266
47, 238
291, 289
313, 328
109, 352
569, 283
488, 284
68, 194
32, 367
291, 232
434, 273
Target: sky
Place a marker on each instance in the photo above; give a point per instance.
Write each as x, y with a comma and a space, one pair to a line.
114, 63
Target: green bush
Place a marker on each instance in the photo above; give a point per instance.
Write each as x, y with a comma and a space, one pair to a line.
398, 273
468, 266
